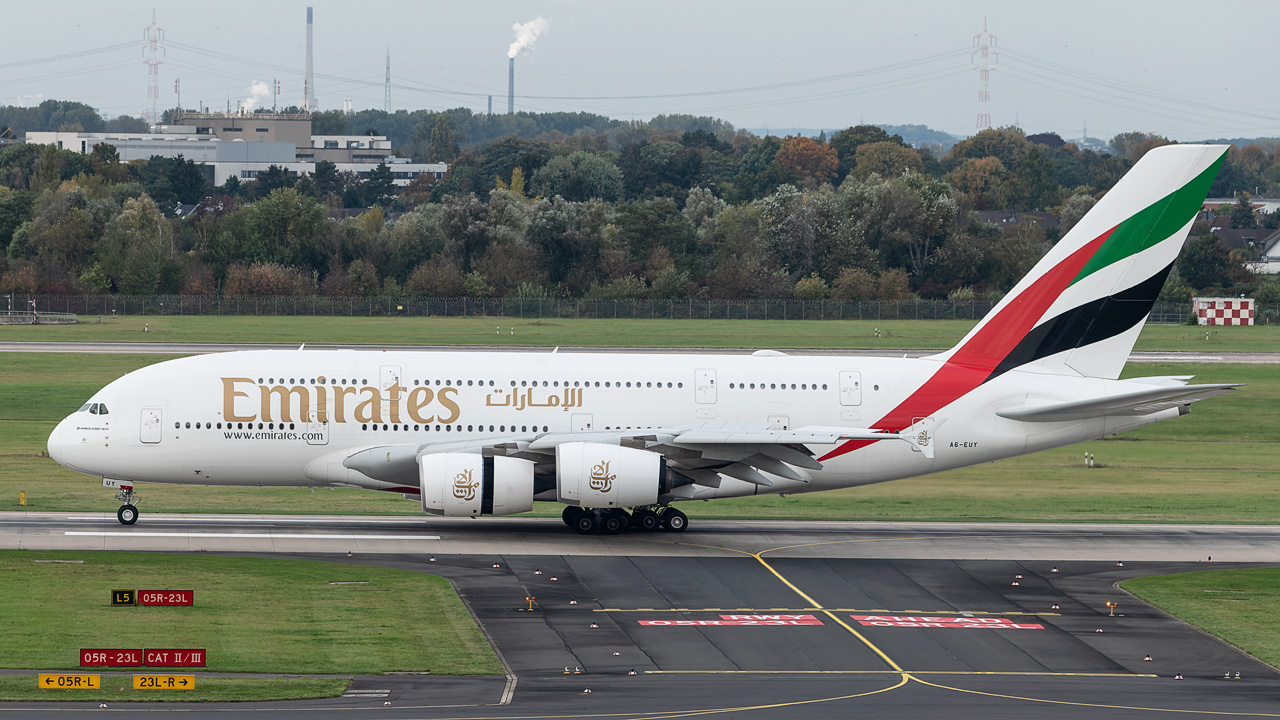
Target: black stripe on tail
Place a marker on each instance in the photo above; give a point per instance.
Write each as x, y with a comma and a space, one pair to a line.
1087, 324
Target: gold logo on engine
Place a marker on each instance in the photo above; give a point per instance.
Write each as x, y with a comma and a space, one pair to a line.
601, 480
464, 488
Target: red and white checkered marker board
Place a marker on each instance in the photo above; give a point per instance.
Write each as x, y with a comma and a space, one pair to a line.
1223, 311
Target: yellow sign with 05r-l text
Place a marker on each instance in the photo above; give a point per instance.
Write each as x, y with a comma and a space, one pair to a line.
164, 682
69, 682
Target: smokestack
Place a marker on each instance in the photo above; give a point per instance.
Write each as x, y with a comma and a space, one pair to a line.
309, 83
511, 86
490, 105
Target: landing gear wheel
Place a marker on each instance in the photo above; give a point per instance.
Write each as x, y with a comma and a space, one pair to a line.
646, 520
571, 513
585, 523
127, 514
613, 523
674, 521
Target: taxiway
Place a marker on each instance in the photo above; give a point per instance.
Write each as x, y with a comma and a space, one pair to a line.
760, 619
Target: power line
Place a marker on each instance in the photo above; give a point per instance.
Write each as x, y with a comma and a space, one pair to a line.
68, 56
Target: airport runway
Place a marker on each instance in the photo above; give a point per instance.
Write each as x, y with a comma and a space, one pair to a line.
757, 619
158, 348
422, 535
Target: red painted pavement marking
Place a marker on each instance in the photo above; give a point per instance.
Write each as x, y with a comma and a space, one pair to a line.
927, 621
739, 621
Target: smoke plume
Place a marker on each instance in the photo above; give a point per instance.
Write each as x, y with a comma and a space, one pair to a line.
259, 93
526, 35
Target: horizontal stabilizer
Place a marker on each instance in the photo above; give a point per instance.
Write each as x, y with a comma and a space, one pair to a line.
1138, 402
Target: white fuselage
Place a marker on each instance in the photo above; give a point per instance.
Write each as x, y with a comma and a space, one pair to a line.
290, 417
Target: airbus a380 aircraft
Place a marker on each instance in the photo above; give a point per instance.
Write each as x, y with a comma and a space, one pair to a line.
617, 438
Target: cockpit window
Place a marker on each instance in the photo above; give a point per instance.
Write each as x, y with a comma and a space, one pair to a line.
84, 408
94, 408
102, 409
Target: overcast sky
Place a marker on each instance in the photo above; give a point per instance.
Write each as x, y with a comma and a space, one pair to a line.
1182, 69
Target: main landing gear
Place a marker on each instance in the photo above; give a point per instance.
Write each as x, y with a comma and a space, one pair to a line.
611, 521
128, 512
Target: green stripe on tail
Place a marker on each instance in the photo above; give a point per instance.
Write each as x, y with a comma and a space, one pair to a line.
1154, 223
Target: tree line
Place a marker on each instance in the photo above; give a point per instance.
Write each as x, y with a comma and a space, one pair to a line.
573, 205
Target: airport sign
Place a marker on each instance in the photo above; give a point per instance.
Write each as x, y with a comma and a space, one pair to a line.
69, 682
123, 597
174, 658
166, 597
93, 657
164, 682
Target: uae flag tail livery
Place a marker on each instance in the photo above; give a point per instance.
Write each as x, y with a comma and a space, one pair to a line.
1081, 308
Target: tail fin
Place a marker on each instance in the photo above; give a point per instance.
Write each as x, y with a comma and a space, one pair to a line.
1080, 309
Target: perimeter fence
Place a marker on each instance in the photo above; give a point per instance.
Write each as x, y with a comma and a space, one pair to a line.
699, 309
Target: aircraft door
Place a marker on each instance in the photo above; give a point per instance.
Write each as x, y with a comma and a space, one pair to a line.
581, 422
151, 429
704, 386
388, 377
850, 387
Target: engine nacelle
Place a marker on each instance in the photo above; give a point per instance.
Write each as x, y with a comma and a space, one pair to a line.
608, 476
467, 485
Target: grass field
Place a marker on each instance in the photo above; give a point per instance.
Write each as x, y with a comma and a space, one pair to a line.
893, 334
393, 620
1216, 465
1238, 606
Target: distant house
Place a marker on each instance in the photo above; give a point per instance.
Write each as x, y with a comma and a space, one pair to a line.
1005, 218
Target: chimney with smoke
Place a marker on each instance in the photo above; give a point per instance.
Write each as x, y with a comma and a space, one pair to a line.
526, 35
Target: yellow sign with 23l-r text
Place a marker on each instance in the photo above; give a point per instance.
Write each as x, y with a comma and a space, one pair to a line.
164, 682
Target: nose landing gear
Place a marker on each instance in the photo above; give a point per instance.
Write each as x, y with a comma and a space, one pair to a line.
128, 512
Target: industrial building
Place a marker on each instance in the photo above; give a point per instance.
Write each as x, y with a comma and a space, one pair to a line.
244, 144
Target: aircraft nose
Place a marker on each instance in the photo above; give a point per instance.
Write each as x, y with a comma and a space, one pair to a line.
56, 441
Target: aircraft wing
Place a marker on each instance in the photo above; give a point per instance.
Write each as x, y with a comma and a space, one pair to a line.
1137, 402
703, 453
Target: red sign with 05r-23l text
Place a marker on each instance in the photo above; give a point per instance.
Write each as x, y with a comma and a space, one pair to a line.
166, 597
110, 658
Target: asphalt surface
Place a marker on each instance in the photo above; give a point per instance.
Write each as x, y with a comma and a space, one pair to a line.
423, 535
161, 348
661, 607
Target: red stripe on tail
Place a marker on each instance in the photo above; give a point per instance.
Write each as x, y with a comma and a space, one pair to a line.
971, 364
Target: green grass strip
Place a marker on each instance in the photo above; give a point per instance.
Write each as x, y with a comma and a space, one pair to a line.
214, 689
250, 614
869, 333
1238, 606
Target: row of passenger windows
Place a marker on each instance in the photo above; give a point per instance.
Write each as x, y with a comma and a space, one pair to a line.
235, 426
450, 428
483, 383
366, 427
775, 386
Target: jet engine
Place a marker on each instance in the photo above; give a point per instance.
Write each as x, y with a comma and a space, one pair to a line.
609, 476
467, 485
